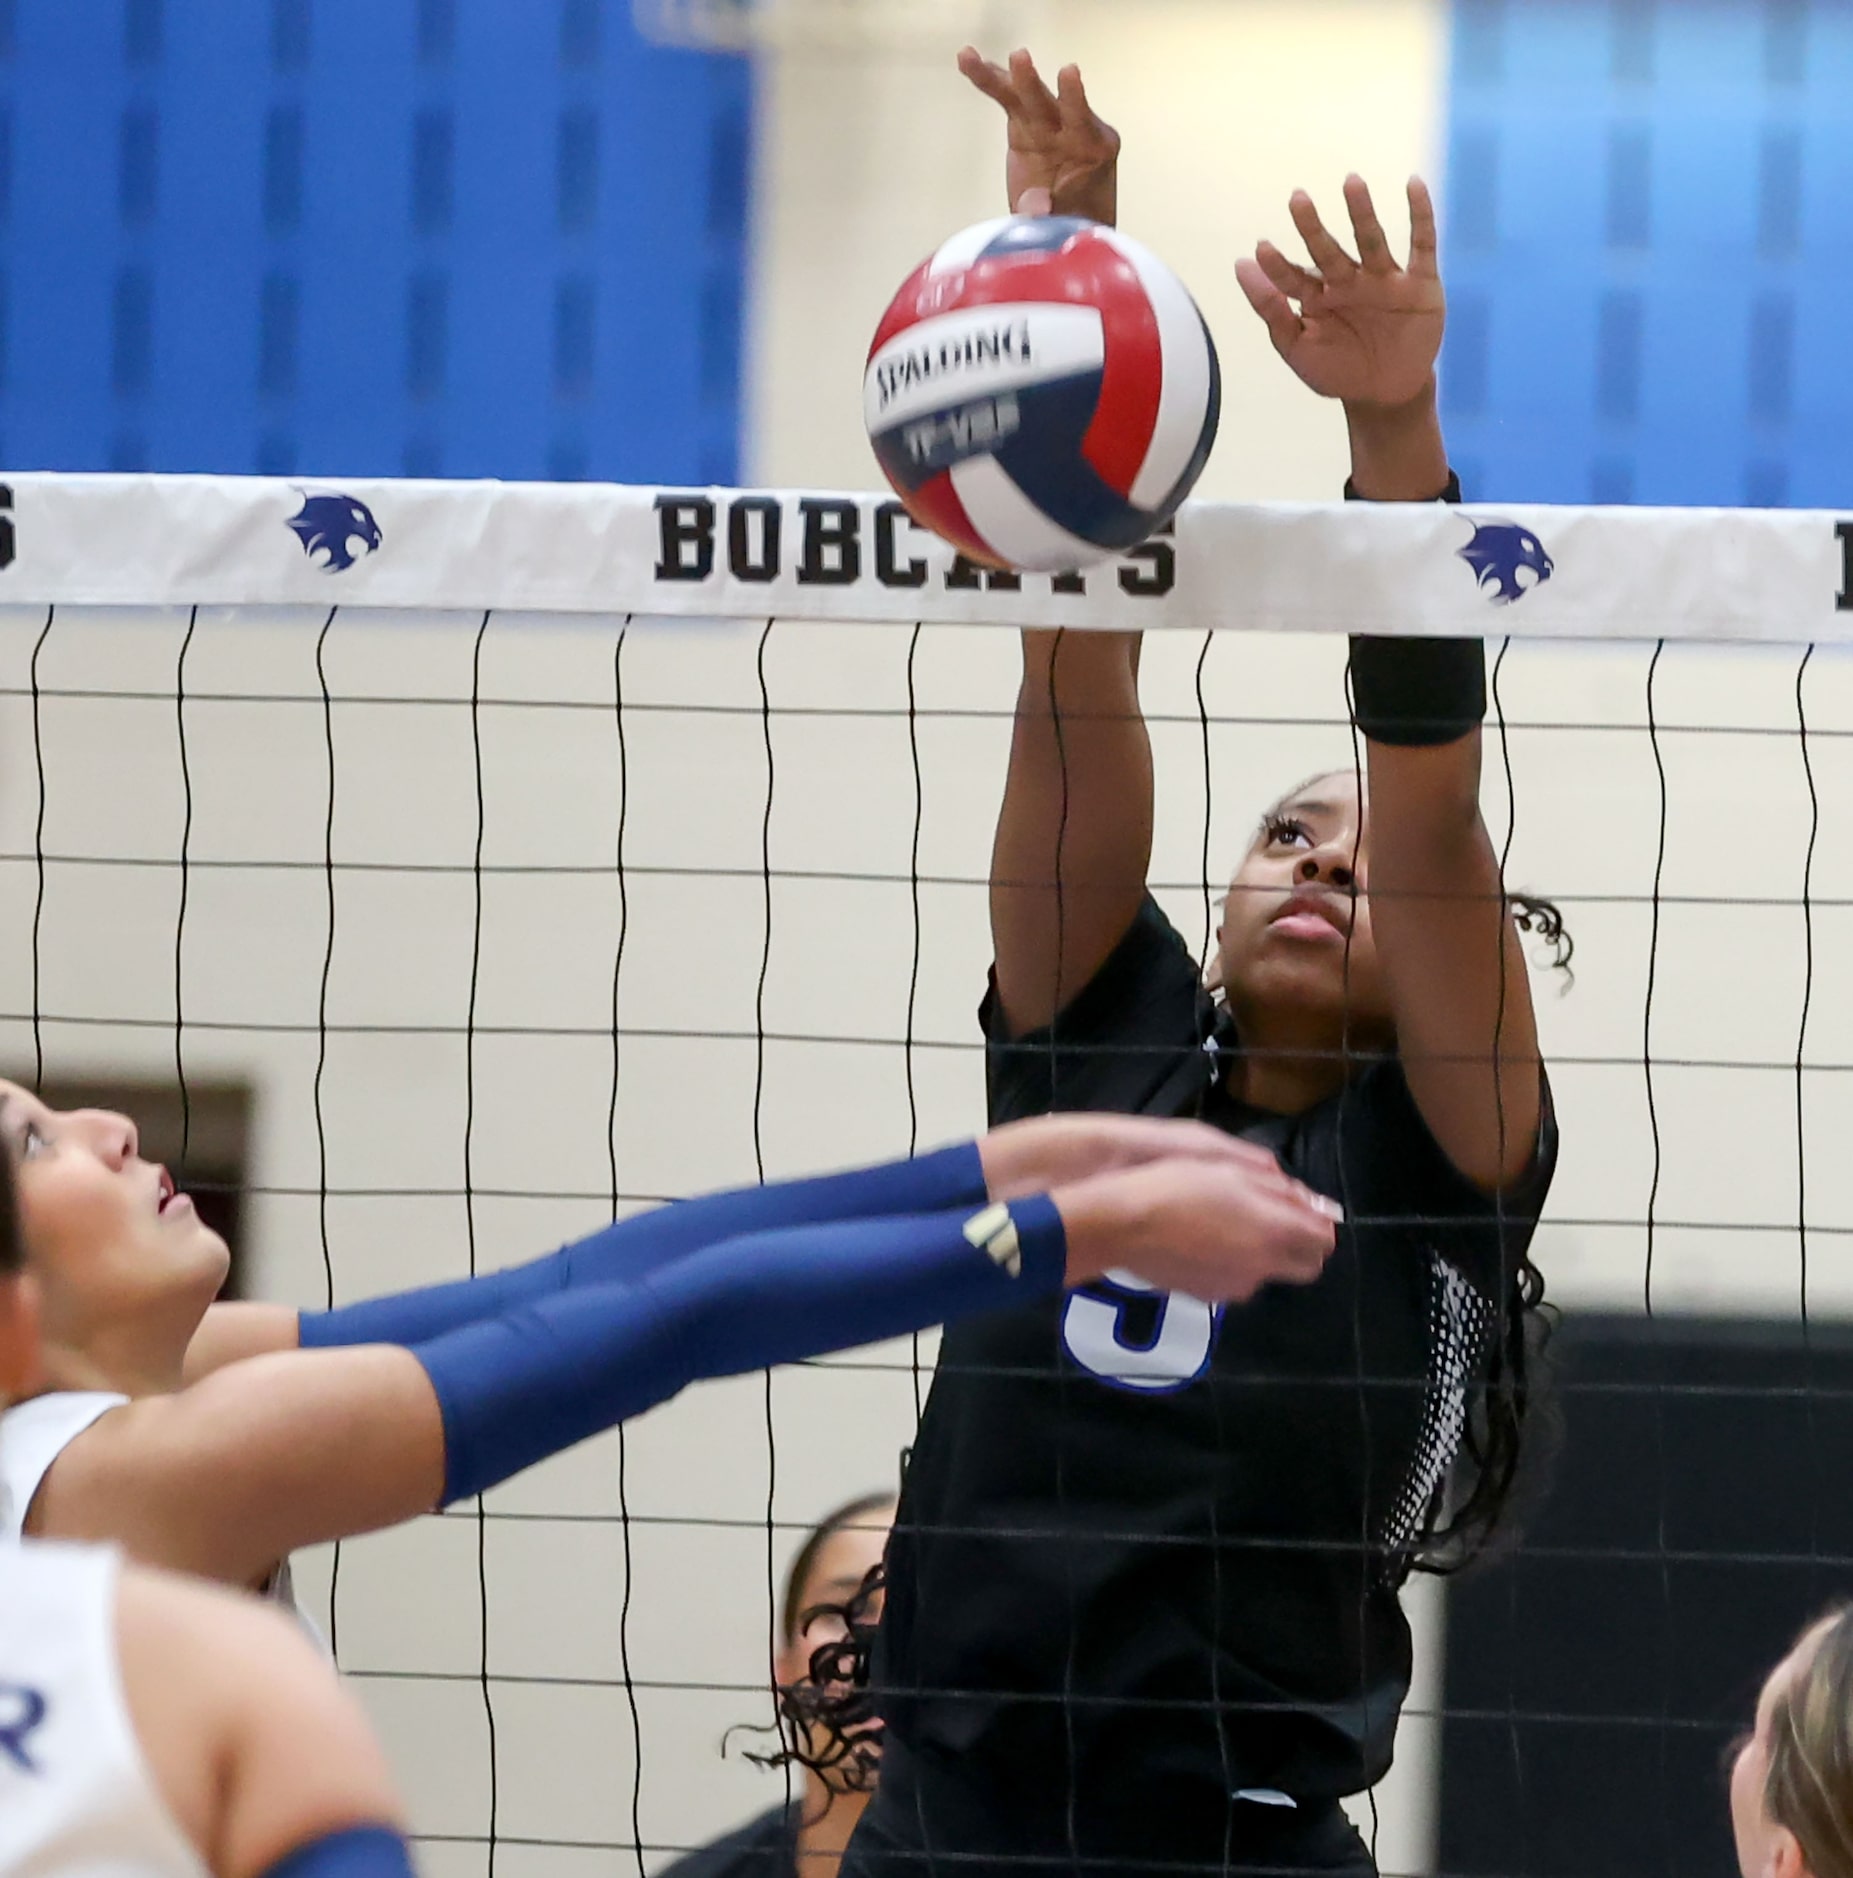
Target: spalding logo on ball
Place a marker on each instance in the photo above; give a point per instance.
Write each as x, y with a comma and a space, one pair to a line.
1043, 392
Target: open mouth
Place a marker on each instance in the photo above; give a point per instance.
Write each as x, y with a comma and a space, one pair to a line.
169, 1198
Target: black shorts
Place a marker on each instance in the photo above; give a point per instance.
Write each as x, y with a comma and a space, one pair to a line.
934, 1823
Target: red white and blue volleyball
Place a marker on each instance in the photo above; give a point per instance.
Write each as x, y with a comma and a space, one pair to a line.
1042, 393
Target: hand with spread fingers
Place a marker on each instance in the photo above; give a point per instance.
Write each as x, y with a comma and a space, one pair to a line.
1366, 330
1063, 160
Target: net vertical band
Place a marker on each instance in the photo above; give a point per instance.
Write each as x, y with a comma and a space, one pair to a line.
38, 853
180, 914
321, 1059
1654, 1354
913, 961
1801, 1124
611, 1148
469, 1194
759, 1169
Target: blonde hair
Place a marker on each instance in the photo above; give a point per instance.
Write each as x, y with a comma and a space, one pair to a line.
1809, 1788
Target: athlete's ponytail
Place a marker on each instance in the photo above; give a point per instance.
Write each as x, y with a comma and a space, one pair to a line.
1512, 1435
1513, 1424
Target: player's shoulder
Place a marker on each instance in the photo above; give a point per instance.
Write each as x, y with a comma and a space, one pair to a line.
1130, 1040
1370, 1146
170, 1622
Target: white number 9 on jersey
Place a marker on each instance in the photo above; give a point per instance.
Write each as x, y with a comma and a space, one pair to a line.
1097, 1331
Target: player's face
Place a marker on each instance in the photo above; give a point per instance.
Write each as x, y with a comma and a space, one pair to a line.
107, 1237
842, 1564
1764, 1849
1295, 940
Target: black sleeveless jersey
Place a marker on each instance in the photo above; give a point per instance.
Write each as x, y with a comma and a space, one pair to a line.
1148, 1552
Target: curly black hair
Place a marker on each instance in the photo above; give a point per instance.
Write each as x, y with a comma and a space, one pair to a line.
826, 1719
1545, 918
1514, 1426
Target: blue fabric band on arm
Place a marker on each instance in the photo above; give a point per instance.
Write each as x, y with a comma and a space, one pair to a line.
547, 1375
632, 1248
360, 1852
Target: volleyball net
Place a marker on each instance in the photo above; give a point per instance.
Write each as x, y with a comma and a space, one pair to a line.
518, 855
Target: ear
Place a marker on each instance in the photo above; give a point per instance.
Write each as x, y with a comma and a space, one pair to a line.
1784, 1857
20, 1349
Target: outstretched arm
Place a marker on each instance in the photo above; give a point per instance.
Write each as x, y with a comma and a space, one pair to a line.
1367, 330
1074, 834
626, 1250
287, 1450
1023, 1158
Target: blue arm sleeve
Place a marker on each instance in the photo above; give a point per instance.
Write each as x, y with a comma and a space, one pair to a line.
545, 1376
633, 1248
360, 1852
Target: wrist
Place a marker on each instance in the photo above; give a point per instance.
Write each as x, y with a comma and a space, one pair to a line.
1101, 1225
1001, 1154
1398, 453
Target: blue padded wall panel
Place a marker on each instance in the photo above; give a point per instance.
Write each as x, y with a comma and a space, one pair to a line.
334, 237
1649, 246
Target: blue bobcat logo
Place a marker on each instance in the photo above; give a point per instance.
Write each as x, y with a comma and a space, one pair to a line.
331, 525
1501, 554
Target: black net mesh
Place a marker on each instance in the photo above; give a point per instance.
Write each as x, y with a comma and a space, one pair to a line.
508, 925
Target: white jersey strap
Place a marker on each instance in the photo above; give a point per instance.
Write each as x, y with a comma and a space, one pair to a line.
32, 1436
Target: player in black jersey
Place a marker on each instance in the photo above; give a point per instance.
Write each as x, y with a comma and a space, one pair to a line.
1142, 1600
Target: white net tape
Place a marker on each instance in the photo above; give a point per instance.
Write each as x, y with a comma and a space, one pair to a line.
1524, 571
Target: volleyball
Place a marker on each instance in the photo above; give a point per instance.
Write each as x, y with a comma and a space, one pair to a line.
1042, 392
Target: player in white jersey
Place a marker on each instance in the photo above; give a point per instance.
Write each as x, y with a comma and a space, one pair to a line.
152, 1727
218, 1438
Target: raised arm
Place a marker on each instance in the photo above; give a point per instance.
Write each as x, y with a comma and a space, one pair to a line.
1367, 332
287, 1450
1074, 835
